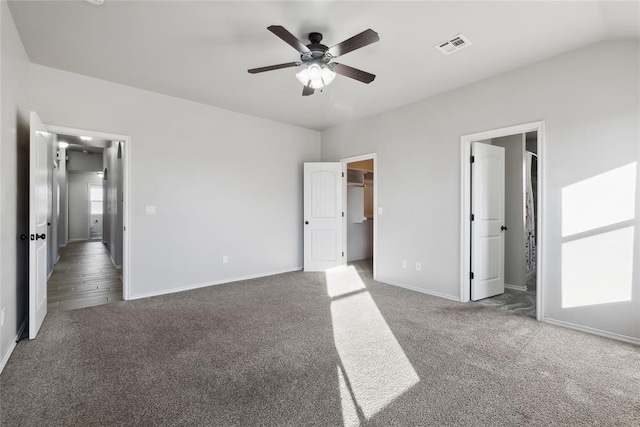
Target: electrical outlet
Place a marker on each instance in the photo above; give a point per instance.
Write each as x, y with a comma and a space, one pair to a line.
404, 263
2, 319
418, 266
380, 210
225, 259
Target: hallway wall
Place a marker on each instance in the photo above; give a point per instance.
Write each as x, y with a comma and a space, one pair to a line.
113, 203
79, 203
14, 181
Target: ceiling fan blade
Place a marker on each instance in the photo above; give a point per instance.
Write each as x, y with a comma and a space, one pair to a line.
308, 90
289, 38
273, 67
353, 73
356, 42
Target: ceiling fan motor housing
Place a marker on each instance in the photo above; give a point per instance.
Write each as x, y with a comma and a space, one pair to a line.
318, 51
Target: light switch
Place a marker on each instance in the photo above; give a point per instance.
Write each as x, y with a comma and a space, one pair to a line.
380, 210
149, 210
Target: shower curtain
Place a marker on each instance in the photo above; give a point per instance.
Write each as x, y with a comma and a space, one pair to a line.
530, 217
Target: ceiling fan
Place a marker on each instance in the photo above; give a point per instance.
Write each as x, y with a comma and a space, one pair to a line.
316, 58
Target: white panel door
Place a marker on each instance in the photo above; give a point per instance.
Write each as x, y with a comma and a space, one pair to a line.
38, 214
323, 216
487, 203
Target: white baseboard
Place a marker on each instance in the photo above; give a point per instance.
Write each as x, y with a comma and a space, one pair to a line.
77, 240
416, 289
204, 285
49, 275
522, 288
7, 354
593, 331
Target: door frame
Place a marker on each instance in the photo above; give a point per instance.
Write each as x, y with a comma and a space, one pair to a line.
465, 203
126, 188
345, 161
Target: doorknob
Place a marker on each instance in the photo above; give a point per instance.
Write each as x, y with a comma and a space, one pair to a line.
23, 237
38, 236
306, 223
504, 228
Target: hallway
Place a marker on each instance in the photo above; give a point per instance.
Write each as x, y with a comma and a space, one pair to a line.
83, 277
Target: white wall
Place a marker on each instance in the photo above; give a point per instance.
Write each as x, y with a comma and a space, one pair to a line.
359, 240
589, 99
223, 183
359, 229
54, 194
359, 232
14, 180
112, 219
95, 227
514, 249
87, 162
63, 233
79, 203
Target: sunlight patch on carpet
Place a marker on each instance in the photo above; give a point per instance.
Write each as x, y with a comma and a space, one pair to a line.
376, 369
343, 280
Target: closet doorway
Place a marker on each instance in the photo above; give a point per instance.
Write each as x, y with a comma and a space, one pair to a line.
501, 221
360, 203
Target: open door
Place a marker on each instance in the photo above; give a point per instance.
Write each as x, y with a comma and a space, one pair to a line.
487, 235
323, 216
38, 212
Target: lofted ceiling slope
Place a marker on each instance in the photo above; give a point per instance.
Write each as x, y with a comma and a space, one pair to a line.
201, 50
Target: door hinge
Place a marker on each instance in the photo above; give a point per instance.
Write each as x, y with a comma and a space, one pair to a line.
342, 214
473, 159
472, 217
343, 174
471, 275
342, 254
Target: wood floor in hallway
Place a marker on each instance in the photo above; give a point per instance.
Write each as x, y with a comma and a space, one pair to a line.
83, 277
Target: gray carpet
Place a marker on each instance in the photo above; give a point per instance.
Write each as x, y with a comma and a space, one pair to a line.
280, 351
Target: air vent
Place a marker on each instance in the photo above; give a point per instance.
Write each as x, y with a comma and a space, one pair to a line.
453, 44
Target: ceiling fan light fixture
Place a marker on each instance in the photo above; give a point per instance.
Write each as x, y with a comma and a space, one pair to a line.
315, 58
316, 75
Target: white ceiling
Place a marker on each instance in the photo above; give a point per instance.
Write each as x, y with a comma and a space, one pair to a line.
200, 50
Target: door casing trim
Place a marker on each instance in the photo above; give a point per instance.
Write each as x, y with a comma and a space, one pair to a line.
465, 206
